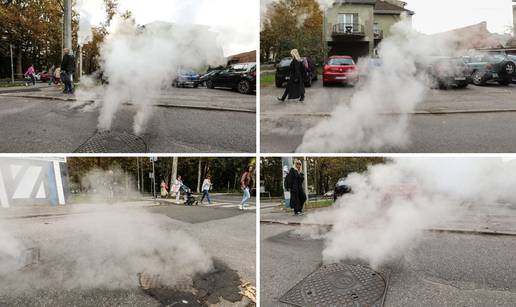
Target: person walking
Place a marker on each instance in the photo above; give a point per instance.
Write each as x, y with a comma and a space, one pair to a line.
246, 182
296, 83
51, 72
57, 75
30, 73
177, 187
67, 71
163, 189
206, 187
294, 184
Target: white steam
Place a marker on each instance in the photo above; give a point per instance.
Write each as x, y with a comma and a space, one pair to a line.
107, 250
392, 204
138, 62
395, 88
89, 16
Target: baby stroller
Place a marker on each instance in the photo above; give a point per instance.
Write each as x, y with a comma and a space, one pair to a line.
191, 200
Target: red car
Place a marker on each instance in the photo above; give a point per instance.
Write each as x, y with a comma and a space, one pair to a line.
340, 69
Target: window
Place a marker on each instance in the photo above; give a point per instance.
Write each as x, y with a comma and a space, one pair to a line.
348, 23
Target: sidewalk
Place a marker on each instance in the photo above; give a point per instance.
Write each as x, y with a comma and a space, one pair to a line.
24, 89
214, 204
487, 219
202, 100
83, 208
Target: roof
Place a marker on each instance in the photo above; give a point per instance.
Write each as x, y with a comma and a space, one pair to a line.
473, 37
384, 7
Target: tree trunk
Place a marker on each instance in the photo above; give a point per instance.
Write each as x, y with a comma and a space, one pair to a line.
19, 67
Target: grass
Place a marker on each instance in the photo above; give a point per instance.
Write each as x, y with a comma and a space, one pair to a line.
5, 85
267, 79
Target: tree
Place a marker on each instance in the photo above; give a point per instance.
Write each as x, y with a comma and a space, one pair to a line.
290, 24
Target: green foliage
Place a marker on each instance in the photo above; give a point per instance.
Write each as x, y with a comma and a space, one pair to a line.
290, 24
323, 172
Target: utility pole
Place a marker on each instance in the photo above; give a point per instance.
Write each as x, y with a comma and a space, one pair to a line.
138, 173
153, 159
199, 176
174, 170
12, 63
67, 5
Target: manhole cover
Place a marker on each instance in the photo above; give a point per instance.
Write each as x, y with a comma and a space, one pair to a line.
338, 285
113, 142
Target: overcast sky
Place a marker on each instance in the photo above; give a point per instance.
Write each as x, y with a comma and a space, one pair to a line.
433, 16
236, 21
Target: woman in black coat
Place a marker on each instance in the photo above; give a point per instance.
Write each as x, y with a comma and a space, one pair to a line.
294, 184
296, 84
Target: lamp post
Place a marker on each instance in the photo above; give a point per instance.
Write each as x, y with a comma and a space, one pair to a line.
12, 63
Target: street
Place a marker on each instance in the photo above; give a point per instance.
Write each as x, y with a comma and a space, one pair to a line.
183, 120
475, 119
443, 270
90, 257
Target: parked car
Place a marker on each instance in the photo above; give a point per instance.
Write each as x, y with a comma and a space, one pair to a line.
341, 188
206, 76
186, 77
44, 76
329, 195
401, 191
491, 67
446, 72
513, 58
340, 69
240, 77
283, 71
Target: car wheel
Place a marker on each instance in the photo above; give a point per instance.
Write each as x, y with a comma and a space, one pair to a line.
209, 84
309, 82
504, 81
478, 78
324, 84
244, 87
462, 85
508, 69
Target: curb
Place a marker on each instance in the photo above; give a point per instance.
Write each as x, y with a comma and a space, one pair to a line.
473, 111
436, 230
182, 106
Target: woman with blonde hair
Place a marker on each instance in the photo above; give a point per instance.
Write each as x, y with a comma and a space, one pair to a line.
296, 83
294, 184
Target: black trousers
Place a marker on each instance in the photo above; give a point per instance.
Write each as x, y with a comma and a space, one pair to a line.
287, 90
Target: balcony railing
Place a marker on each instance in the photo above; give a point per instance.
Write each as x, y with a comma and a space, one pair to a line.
352, 29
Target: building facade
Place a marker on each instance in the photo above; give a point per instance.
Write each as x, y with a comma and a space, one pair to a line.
33, 181
356, 27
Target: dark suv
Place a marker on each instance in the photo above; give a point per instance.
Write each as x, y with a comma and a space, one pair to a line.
491, 67
240, 77
445, 72
283, 71
341, 188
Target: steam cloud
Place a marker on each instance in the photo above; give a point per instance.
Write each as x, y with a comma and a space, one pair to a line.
392, 203
105, 248
88, 14
395, 88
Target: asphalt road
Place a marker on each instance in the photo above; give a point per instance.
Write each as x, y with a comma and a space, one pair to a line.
489, 129
33, 125
443, 270
63, 243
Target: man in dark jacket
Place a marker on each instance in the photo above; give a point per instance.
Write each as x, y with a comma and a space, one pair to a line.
67, 71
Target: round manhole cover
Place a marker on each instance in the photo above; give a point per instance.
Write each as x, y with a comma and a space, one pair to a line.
338, 285
113, 142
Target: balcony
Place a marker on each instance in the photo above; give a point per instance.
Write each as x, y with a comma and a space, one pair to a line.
351, 30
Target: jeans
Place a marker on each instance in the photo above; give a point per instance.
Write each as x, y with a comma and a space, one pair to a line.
68, 83
245, 199
207, 195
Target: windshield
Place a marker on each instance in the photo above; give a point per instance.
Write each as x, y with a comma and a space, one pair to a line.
285, 62
341, 61
341, 182
188, 72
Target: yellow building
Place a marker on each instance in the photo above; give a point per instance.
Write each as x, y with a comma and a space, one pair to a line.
356, 27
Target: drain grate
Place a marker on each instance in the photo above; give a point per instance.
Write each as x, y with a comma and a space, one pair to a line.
113, 142
338, 284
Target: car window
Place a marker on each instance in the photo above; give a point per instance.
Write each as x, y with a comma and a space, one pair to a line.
285, 62
239, 67
341, 61
341, 182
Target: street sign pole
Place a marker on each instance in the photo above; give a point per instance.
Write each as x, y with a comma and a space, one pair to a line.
153, 178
